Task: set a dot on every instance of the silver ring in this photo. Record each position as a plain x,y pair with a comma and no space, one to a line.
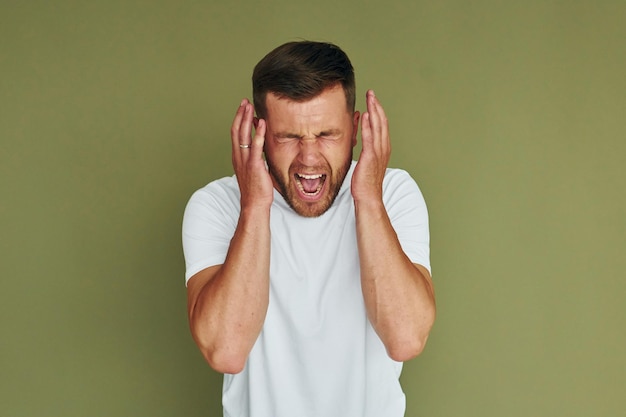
244,146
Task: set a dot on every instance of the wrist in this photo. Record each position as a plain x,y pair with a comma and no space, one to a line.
370,207
255,212
256,205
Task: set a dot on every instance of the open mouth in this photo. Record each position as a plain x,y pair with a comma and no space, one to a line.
310,184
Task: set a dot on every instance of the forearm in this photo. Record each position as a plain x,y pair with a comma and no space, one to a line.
228,310
399,297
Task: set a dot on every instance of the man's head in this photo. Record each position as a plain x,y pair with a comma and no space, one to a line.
305,91
299,71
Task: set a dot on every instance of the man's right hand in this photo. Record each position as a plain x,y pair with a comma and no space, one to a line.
253,178
227,303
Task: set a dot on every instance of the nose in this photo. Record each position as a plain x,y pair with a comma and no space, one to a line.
309,151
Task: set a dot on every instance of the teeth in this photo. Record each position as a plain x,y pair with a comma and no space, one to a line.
310,177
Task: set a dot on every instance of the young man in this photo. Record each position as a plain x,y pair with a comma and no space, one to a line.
308,274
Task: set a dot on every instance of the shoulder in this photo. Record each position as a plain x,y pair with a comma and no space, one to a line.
397,175
221,189
399,182
221,194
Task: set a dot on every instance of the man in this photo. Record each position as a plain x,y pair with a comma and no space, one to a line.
308,273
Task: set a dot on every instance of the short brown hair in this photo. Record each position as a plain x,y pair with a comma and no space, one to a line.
300,71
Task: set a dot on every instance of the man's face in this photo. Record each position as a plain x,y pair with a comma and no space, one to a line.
308,148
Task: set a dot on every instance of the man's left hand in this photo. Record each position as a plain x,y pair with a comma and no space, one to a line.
367,181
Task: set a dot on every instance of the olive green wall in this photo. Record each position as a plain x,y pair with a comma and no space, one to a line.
510,116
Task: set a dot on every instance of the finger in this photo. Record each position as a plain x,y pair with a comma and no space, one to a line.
373,111
246,125
375,120
366,131
245,133
235,131
380,123
258,141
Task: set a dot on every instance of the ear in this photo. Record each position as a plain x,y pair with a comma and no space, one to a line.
355,127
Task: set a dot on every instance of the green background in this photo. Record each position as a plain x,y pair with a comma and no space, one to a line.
510,115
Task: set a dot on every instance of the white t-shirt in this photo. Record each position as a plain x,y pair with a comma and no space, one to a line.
317,354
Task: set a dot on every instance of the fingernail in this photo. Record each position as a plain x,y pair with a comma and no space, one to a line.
243,102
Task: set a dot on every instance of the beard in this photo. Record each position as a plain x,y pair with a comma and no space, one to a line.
286,187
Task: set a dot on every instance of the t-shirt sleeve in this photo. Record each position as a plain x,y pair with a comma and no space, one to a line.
209,224
408,214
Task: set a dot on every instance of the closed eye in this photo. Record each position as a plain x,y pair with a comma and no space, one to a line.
286,137
330,134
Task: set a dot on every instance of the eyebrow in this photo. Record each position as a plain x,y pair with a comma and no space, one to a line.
329,132
287,135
